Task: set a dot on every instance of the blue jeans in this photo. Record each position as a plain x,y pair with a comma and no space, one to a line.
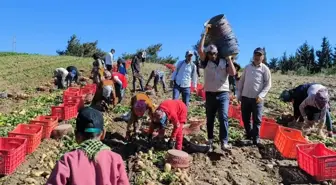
185,91
250,106
218,102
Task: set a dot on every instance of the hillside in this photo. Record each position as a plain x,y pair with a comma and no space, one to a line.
243,165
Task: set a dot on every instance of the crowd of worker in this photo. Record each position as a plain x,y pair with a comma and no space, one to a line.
310,103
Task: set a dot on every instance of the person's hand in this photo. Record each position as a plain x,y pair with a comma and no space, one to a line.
258,100
171,143
206,30
228,58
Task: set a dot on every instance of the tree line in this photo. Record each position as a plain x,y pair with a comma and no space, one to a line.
306,60
76,48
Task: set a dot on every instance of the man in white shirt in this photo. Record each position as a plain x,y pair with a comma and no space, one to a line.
109,59
184,76
254,85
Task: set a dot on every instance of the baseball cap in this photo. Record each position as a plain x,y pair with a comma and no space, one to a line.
189,53
212,49
259,50
322,98
89,120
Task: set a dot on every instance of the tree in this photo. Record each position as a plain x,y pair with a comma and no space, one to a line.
265,57
304,56
325,54
273,63
75,48
334,57
283,63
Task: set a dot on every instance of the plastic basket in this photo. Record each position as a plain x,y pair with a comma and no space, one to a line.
317,160
286,140
64,112
33,134
12,154
92,87
78,100
268,130
48,123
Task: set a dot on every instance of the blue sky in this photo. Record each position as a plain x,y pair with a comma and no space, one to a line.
279,25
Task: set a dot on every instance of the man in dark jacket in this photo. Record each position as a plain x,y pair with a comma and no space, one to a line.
233,79
136,69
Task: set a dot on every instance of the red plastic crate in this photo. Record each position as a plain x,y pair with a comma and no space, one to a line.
71,91
78,100
268,130
64,112
92,87
48,123
264,118
33,134
12,154
286,140
317,160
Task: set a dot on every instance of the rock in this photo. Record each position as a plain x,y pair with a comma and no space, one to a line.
30,180
269,167
61,130
3,95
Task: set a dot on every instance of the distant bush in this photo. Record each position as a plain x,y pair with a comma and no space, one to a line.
302,71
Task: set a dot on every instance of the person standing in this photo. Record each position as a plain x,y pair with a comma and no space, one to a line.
254,84
109,59
98,69
216,86
184,76
136,70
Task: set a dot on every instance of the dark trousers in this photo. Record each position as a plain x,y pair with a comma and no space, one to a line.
118,90
313,113
218,102
158,79
108,67
232,82
250,106
140,78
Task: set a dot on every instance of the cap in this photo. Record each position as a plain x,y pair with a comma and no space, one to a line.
322,98
189,53
89,120
140,108
285,96
211,48
259,50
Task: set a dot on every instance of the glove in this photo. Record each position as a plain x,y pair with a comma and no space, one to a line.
171,144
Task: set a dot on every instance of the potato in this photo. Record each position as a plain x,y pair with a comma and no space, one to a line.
167,167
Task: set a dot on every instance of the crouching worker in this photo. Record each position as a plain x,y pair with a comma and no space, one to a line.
159,76
73,75
316,108
120,84
140,103
60,75
92,162
105,94
174,111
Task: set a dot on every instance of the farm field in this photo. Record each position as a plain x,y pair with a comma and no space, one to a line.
241,166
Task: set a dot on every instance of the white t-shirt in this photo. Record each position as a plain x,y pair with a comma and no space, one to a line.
109,59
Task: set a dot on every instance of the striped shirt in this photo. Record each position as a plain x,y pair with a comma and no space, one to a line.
255,81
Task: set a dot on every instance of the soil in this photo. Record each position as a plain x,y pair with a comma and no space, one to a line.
242,165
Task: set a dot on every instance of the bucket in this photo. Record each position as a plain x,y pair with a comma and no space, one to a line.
220,33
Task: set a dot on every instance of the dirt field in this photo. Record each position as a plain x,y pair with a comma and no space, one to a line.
241,166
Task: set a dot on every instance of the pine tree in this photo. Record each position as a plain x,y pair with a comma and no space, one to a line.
304,56
325,54
273,64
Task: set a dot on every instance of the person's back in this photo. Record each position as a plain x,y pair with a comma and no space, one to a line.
104,170
92,162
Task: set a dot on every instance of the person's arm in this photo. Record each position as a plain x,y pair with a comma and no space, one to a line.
303,105
201,52
194,77
176,124
231,68
241,84
116,79
323,115
266,84
60,174
123,179
178,65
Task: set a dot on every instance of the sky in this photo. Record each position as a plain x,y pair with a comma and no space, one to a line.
44,26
